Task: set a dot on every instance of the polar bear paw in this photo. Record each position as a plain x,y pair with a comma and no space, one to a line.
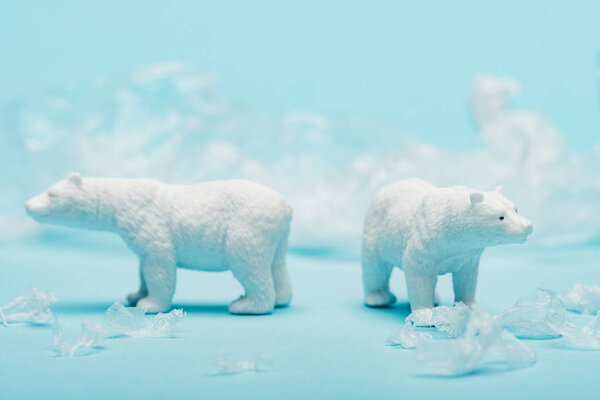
380,298
247,305
152,306
134,297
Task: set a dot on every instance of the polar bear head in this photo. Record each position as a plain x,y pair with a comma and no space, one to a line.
67,202
492,219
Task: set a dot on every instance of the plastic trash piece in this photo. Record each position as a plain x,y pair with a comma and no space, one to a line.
227,366
452,320
407,337
131,321
583,298
483,341
585,337
34,307
542,315
537,315
90,336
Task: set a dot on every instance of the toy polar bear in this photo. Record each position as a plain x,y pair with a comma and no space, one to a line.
429,231
232,225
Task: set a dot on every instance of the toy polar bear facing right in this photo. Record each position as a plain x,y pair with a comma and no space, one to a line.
429,231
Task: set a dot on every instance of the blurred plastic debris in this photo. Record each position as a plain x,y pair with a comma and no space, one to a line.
542,315
407,337
227,366
34,307
586,337
90,336
131,321
481,338
583,298
483,341
537,315
452,320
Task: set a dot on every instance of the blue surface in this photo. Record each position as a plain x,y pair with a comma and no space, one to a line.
327,345
380,77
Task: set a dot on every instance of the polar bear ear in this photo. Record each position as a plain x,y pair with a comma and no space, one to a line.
75,178
499,189
476,197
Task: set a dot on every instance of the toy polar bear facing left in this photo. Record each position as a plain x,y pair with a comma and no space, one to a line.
232,225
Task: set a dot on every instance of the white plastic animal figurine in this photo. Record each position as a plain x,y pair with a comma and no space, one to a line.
232,225
429,231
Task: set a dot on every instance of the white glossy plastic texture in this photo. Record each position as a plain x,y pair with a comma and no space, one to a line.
132,321
91,336
34,307
583,298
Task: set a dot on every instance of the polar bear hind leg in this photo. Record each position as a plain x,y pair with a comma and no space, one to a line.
281,279
250,262
142,292
376,280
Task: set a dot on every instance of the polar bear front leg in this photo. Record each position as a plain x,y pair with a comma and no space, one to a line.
159,274
464,282
421,289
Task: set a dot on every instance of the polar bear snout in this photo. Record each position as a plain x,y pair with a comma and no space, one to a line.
38,206
521,229
528,228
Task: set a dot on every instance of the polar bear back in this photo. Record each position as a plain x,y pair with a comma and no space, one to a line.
390,218
199,220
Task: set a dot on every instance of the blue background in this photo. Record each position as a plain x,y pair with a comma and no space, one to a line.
401,65
407,63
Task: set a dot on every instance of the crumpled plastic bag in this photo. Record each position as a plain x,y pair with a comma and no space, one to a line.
484,340
34,307
407,337
450,319
228,366
542,315
90,336
131,321
585,337
537,315
583,298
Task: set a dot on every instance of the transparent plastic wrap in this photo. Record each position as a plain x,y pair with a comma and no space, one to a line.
34,307
586,337
484,341
583,298
228,366
132,321
407,337
90,336
452,320
537,315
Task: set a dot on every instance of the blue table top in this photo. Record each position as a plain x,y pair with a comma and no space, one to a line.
327,345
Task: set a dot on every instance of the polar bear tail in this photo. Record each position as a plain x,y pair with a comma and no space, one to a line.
281,279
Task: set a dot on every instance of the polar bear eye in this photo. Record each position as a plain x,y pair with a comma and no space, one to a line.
51,194
501,218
